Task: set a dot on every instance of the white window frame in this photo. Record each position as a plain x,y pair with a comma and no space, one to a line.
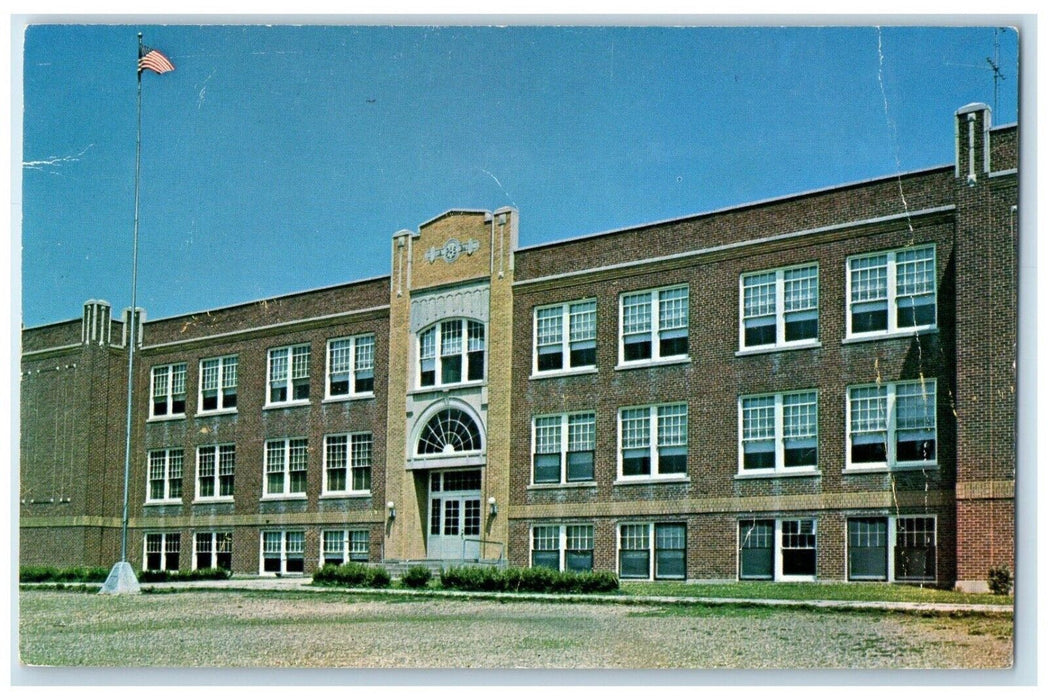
655,329
562,542
892,535
892,296
352,455
778,436
213,552
168,475
777,548
165,539
355,343
565,422
167,374
226,379
567,312
292,373
929,387
220,468
463,353
780,312
650,528
653,445
285,538
347,550
286,493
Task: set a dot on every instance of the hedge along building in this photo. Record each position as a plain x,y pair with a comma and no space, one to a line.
816,387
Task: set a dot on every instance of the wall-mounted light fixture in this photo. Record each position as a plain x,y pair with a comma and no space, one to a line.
392,510
493,508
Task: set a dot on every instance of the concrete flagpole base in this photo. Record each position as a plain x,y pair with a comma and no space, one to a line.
121,579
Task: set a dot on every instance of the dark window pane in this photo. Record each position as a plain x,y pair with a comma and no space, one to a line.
229,398
915,312
171,561
668,347
673,463
669,563
546,560
868,549
583,357
633,563
160,408
301,389
331,559
798,562
476,365
550,360
760,335
578,561
580,466
802,329
636,350
210,401
153,561
635,466
547,468
914,563
920,450
429,378
801,456
339,387
365,384
295,566
224,560
451,369
753,459
271,564
756,563
868,321
870,452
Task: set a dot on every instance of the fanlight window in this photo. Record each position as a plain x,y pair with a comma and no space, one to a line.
450,431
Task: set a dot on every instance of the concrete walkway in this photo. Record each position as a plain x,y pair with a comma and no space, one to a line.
303,584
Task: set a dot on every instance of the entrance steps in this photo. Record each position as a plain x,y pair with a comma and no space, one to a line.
397,567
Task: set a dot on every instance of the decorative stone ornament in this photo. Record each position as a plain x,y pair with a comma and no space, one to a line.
451,250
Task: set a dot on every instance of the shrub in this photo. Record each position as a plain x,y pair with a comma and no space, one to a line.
73,574
417,577
378,577
1000,580
196,575
352,574
530,580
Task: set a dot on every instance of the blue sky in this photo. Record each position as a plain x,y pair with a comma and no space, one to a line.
282,158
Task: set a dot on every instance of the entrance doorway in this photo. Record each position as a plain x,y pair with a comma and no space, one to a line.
454,514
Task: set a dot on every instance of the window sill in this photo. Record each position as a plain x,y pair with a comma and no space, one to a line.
301,497
162,419
349,397
331,495
777,474
217,412
285,404
642,364
564,485
444,388
668,479
884,469
865,338
554,374
166,502
764,350
205,500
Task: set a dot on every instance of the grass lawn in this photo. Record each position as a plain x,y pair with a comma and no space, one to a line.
812,591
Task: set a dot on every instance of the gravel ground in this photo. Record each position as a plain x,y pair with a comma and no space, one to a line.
247,629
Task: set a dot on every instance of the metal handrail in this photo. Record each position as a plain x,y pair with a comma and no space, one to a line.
502,546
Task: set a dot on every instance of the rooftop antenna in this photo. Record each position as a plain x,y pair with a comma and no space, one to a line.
995,66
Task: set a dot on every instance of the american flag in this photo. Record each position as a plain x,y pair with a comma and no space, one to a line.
153,60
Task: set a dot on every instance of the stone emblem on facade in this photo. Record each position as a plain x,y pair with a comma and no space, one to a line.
452,249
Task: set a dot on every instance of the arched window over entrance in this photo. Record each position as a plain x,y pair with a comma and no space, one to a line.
450,431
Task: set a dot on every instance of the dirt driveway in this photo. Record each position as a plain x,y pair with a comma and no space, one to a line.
332,630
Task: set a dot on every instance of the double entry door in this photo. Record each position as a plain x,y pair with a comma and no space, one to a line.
454,514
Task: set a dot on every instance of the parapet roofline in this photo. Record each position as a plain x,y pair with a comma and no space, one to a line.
449,212
737,207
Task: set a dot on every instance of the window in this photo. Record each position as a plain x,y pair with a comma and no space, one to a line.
449,432
451,352
562,547
563,448
566,336
165,475
218,384
653,441
900,548
638,560
289,374
780,550
169,391
283,552
213,550
286,462
215,467
891,292
351,366
347,463
780,307
341,546
778,433
654,325
892,425
162,550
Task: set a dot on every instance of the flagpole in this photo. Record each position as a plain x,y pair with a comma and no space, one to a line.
122,577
